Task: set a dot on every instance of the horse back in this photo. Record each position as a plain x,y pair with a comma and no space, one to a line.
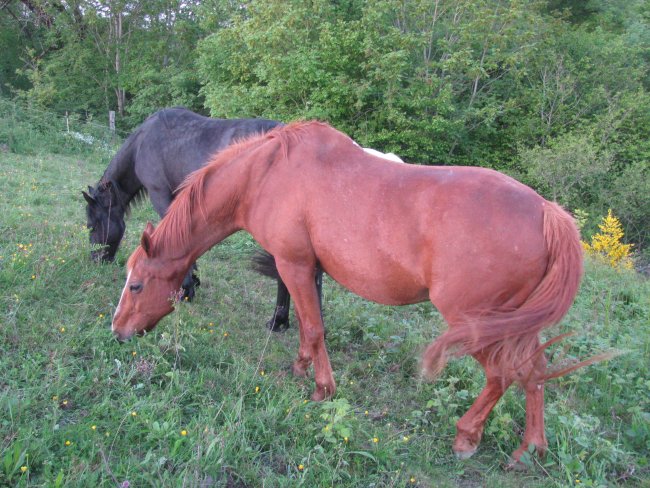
174,142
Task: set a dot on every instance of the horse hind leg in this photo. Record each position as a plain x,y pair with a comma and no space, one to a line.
469,429
533,387
280,320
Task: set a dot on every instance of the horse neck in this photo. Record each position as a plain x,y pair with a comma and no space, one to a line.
214,215
121,170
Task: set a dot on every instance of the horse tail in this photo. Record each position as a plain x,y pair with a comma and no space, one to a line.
509,338
264,264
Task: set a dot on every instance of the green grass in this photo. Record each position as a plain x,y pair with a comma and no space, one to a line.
212,369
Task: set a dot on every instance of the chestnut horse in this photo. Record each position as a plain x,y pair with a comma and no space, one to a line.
497,260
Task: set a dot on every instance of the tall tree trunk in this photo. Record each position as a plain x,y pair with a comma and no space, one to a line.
119,92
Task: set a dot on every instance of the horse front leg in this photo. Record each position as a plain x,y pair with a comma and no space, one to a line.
190,282
300,282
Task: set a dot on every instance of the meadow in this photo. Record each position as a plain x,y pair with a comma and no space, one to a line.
207,399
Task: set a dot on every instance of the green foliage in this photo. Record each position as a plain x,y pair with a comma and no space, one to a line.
554,92
567,169
339,421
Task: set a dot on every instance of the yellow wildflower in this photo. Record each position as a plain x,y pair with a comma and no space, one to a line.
607,243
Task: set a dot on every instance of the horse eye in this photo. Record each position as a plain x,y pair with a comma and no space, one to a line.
135,288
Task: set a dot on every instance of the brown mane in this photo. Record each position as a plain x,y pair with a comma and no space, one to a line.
174,228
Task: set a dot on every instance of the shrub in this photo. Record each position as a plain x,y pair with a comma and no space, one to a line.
607,244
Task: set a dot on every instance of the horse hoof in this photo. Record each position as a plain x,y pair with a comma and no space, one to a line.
275,325
299,371
515,465
322,393
188,294
317,396
466,443
462,455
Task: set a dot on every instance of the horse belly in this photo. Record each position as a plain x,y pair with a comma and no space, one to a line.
390,273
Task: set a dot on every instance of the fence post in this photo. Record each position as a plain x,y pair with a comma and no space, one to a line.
67,122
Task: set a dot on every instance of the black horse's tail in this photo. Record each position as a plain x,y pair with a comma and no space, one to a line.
264,264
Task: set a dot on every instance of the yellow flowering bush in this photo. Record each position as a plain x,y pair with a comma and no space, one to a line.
607,244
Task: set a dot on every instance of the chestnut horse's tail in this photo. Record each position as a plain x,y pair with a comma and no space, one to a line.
509,338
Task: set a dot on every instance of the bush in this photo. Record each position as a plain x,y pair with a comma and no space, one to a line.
607,244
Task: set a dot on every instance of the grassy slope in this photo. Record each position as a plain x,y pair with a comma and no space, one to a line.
212,370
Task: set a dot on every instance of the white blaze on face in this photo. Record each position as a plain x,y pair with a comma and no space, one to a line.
117,310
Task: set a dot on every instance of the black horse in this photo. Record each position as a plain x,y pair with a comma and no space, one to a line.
155,159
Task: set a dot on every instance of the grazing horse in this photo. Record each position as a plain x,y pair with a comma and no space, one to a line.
156,159
497,260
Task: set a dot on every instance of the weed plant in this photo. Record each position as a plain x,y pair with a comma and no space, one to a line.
206,399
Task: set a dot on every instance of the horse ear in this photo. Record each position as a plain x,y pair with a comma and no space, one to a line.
145,240
89,199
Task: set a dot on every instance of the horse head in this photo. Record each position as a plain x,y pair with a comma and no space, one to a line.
152,286
105,219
